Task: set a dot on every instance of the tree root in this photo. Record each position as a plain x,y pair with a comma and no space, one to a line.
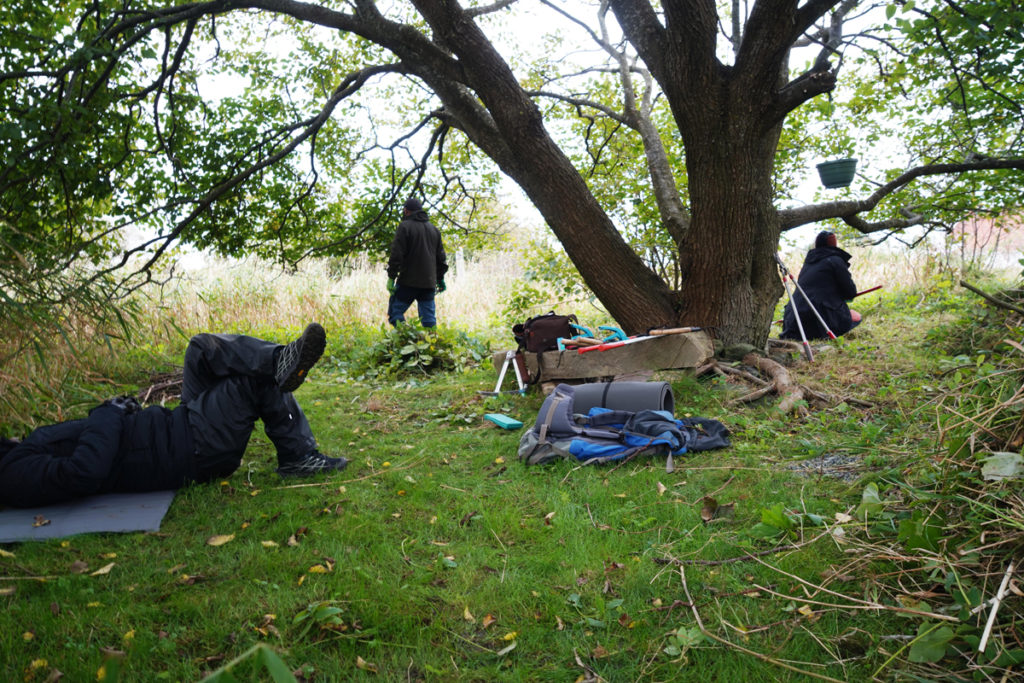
793,396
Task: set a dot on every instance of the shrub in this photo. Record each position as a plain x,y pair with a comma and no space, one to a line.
411,349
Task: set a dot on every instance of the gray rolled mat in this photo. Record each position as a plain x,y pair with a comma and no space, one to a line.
633,396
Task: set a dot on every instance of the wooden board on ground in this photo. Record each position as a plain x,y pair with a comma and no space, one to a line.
669,352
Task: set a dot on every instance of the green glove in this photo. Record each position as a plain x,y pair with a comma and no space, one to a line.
391,285
441,286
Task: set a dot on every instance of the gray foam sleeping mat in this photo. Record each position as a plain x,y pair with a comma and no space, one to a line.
111,512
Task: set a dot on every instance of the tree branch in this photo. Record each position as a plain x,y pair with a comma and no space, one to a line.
847,210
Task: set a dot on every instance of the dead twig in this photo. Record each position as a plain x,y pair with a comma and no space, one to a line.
995,608
856,601
718,639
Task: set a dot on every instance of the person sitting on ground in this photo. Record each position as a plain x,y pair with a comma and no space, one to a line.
230,381
825,279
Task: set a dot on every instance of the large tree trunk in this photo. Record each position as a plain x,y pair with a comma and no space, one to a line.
730,281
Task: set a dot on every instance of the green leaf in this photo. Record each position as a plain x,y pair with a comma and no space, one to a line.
999,466
762,530
870,502
920,532
930,643
277,669
776,516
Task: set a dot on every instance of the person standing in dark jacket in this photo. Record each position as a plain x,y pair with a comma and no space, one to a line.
416,266
825,279
230,381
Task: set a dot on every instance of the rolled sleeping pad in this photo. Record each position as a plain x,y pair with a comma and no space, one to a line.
633,396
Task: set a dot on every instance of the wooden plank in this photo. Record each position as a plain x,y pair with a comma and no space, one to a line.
668,352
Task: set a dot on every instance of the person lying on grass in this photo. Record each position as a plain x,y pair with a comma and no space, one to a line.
230,381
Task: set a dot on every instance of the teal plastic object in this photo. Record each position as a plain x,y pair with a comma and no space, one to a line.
837,173
503,421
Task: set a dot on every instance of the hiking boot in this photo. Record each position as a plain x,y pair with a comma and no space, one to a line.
311,463
295,359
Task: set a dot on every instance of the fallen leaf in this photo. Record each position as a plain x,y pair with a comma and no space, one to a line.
27,636
365,665
488,621
105,569
713,510
176,568
499,460
808,612
511,635
268,544
599,652
220,539
468,616
7,590
292,541
505,650
40,521
4,553
843,518
547,517
318,569
619,495
661,488
78,567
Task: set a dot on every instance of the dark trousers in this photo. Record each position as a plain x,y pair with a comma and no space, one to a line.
402,299
229,384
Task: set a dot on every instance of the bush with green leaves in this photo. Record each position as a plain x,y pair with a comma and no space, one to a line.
409,349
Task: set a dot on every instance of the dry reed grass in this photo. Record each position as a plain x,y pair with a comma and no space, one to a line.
250,295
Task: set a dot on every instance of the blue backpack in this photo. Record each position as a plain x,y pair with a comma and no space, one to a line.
604,435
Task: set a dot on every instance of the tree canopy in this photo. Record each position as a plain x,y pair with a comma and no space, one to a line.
661,143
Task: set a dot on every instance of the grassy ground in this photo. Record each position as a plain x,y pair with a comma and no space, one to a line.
440,551
437,556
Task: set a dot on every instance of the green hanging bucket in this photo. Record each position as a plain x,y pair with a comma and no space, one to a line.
838,172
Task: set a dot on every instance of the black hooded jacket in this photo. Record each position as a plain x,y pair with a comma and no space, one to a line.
417,254
825,278
151,450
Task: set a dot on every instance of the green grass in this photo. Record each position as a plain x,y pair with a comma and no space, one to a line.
436,555
442,551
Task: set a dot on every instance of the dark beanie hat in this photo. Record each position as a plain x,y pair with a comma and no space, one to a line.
825,239
412,205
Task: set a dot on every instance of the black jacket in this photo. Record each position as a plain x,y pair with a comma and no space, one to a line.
151,450
417,254
825,278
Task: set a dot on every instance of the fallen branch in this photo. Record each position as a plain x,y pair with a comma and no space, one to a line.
991,299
